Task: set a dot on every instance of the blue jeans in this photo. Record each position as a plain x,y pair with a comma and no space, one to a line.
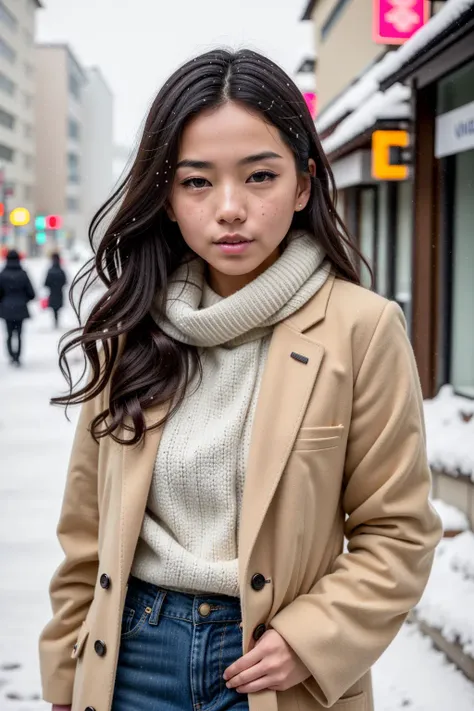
174,651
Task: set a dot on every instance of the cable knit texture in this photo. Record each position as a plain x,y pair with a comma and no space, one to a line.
189,536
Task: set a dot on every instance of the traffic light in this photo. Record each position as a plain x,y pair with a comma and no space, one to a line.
53,222
41,238
40,223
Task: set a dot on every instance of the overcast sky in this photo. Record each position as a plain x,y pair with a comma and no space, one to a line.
138,43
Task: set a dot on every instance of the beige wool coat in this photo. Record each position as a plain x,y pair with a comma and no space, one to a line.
338,449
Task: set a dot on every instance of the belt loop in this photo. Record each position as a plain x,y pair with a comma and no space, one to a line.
155,612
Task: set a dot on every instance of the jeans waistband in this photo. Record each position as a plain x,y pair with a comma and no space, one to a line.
199,608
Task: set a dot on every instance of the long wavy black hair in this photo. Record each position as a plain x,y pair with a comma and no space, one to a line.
141,247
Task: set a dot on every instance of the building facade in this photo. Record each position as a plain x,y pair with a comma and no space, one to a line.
17,116
74,142
97,145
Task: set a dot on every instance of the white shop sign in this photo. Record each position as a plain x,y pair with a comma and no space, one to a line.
455,131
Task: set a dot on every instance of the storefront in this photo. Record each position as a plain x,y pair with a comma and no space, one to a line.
441,74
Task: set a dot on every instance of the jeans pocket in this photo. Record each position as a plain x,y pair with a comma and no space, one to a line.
134,617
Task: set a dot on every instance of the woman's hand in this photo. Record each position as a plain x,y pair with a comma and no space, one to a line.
271,664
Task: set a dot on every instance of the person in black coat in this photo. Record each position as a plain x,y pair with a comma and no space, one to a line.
56,281
15,293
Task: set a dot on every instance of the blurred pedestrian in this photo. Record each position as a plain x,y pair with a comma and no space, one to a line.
250,405
56,280
16,291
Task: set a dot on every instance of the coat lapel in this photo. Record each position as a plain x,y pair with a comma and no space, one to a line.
284,395
137,469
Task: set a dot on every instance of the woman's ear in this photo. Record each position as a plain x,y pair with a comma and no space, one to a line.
170,212
304,186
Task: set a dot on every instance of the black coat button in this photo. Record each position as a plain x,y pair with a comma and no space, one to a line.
259,631
258,581
100,648
90,708
105,581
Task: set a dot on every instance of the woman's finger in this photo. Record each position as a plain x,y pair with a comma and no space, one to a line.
248,675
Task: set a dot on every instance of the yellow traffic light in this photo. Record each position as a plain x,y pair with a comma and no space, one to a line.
20,216
382,142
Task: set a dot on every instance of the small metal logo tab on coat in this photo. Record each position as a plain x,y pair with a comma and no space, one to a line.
300,358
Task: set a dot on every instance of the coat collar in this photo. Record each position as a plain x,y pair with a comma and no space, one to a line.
314,310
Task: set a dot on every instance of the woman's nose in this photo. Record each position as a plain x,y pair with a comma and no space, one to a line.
231,206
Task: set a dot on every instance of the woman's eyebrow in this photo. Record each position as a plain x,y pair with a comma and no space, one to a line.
207,165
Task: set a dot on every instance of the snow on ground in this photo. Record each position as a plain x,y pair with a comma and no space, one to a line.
450,432
448,601
35,441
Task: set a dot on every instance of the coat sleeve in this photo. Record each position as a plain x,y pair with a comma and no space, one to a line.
348,619
72,586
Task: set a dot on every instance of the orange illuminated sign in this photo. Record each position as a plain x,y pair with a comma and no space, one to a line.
382,143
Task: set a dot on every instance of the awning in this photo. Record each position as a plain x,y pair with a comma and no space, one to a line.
390,105
450,18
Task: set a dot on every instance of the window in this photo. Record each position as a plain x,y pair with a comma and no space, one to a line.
6,119
72,204
404,248
6,85
381,268
7,52
74,130
6,153
367,230
73,168
333,17
8,18
29,161
28,130
74,86
462,298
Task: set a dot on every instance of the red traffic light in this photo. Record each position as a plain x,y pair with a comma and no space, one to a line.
53,222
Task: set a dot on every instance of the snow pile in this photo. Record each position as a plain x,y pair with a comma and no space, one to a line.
392,104
448,602
450,432
353,97
450,14
453,519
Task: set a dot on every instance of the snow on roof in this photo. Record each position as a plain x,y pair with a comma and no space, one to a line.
358,92
381,105
447,16
450,432
448,600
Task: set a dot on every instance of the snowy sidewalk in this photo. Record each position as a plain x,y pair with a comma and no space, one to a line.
34,447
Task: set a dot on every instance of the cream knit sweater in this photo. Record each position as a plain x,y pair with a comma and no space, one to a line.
189,536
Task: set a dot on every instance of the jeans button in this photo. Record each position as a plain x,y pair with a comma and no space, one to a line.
205,609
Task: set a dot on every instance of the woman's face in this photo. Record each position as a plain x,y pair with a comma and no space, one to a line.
235,192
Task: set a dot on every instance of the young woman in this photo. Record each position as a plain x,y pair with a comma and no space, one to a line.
249,406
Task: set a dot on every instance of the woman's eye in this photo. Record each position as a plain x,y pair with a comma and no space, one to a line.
263,176
195,183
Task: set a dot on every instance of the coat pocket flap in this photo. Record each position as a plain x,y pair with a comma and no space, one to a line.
352,703
81,640
313,438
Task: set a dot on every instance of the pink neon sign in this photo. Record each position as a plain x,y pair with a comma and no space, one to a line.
395,21
311,102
